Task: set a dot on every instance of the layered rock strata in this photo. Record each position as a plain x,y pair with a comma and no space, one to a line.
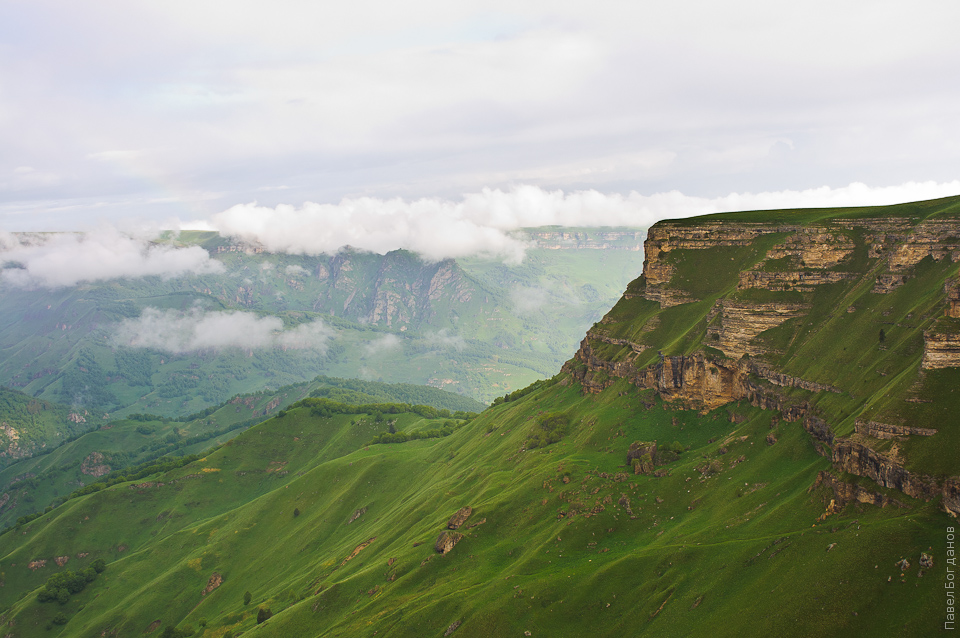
860,460
741,322
796,280
848,492
940,350
888,431
695,379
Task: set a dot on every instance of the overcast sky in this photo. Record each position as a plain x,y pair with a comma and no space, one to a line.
217,110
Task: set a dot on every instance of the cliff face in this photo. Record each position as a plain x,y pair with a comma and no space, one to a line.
784,313
395,289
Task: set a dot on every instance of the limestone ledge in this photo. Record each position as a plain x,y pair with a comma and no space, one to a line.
848,492
860,460
797,280
897,241
952,290
814,247
940,350
888,282
694,380
741,322
888,431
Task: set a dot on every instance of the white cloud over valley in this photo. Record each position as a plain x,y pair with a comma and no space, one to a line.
177,332
480,223
66,259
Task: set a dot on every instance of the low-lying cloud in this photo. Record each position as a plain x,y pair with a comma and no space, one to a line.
444,340
66,259
177,332
481,223
380,345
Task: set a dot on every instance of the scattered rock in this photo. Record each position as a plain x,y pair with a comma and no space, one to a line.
903,565
831,546
61,560
215,581
94,466
155,625
446,541
34,565
359,548
360,512
642,457
926,561
459,518
771,439
452,628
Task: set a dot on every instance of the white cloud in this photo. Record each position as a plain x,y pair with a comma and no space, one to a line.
527,300
295,269
480,223
444,340
174,331
66,259
386,343
433,228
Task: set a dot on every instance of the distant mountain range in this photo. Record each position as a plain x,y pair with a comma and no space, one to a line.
172,346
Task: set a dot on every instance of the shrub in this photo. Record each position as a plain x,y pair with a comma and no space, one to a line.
550,428
263,614
247,597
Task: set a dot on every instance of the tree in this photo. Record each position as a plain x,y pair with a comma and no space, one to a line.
263,614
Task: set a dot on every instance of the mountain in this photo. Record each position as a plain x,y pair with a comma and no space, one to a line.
473,326
758,439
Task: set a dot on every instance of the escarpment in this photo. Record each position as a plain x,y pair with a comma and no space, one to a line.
783,314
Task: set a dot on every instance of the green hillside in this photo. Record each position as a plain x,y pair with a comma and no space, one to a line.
735,450
28,425
75,459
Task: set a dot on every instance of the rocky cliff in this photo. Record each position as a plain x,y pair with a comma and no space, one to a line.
785,312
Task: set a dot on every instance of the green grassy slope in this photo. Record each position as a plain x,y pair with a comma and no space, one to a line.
738,552
733,535
30,485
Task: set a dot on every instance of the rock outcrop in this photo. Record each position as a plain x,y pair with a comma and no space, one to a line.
796,280
642,457
780,279
94,466
740,322
459,518
940,350
887,431
446,541
849,493
860,460
213,582
696,380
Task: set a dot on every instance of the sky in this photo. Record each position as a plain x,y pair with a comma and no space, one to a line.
309,125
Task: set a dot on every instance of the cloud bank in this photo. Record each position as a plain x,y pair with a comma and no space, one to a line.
178,332
58,260
481,223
